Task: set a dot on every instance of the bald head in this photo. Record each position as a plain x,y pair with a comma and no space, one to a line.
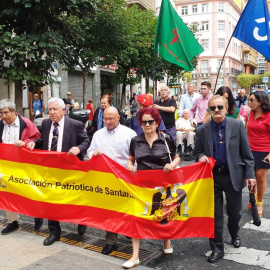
111,117
242,93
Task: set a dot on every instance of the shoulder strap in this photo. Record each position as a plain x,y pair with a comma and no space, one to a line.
168,149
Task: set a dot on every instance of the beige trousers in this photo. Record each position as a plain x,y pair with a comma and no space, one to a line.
180,136
11,216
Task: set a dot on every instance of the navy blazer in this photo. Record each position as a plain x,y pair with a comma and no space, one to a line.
239,156
74,134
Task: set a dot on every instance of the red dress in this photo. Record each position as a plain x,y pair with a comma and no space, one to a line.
90,107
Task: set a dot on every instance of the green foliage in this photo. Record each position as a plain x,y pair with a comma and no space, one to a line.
188,76
245,80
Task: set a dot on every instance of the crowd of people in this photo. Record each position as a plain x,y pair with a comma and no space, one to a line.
209,125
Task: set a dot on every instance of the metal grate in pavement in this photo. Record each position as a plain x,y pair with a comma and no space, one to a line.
91,243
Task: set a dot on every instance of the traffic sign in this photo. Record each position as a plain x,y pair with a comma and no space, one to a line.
234,85
265,79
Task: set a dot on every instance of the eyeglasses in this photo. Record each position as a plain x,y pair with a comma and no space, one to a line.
213,108
251,100
5,113
149,122
109,119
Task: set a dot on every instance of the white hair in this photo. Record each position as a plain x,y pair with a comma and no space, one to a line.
57,100
7,103
186,111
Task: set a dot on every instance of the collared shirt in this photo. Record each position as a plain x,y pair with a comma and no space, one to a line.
187,102
183,123
11,133
202,105
60,135
219,143
167,117
154,158
114,143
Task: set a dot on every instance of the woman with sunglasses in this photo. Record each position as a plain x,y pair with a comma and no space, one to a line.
150,152
233,112
258,129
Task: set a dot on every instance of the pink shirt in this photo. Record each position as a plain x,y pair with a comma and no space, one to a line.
202,105
259,132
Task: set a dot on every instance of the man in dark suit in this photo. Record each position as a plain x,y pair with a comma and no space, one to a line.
61,134
225,140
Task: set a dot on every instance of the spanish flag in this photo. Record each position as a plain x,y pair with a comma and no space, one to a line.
102,194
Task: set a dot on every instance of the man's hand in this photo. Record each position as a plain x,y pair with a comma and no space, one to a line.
31,145
74,151
97,152
251,184
19,143
204,159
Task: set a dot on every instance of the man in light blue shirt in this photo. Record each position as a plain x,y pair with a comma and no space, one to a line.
188,99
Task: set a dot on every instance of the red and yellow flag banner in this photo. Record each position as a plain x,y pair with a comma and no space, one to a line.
102,194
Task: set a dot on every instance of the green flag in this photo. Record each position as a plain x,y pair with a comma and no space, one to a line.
174,42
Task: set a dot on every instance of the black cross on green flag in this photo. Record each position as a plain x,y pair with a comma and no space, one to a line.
174,42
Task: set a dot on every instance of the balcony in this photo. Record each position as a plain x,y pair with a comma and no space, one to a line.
235,71
249,62
144,3
246,49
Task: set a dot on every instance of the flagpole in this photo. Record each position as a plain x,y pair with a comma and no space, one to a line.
222,62
154,75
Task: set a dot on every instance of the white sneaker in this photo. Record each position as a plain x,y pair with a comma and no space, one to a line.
168,250
129,264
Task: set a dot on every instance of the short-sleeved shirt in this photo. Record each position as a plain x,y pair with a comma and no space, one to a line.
37,105
154,158
167,117
259,132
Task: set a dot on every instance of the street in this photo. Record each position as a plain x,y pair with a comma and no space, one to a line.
188,253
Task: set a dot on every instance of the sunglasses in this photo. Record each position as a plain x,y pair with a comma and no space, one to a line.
213,108
251,100
149,122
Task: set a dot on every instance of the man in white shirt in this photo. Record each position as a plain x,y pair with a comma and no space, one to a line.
188,99
113,140
17,130
185,132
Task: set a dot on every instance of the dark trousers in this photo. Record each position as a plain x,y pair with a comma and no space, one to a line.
54,227
222,182
111,238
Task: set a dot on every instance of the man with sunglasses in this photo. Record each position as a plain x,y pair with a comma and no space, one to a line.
225,140
113,140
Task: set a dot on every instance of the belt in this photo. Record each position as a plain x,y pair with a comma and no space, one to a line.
221,169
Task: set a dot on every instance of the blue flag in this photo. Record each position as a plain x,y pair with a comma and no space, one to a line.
253,27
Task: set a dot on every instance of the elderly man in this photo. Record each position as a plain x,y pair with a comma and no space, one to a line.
188,99
144,101
166,107
61,134
200,105
17,130
185,132
225,140
241,100
113,140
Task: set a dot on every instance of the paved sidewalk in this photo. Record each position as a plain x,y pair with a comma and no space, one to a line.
25,251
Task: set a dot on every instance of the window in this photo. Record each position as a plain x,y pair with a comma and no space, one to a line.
204,66
221,25
221,43
221,7
184,10
205,44
219,63
205,8
194,9
205,26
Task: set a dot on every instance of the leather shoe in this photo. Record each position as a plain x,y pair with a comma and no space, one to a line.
108,249
236,242
215,257
11,227
38,223
81,229
51,239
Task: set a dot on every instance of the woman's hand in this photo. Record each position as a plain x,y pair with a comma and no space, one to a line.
168,167
130,165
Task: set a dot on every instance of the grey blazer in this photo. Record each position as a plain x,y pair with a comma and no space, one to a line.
239,156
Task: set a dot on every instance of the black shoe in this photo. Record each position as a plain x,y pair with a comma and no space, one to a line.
179,150
108,249
81,229
50,240
236,242
11,227
215,257
38,223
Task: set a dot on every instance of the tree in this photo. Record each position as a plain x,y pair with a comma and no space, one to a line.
31,37
187,76
244,80
94,37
